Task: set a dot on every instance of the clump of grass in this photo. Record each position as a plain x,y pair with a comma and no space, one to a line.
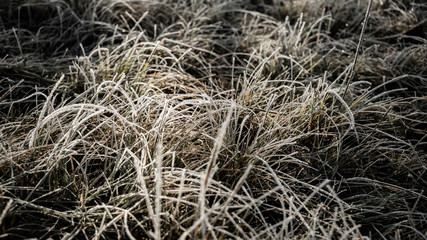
212,119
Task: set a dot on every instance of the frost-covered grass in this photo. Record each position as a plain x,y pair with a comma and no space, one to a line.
213,119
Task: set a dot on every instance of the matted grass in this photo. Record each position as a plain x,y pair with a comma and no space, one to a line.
213,119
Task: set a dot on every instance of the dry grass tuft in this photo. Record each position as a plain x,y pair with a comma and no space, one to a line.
213,119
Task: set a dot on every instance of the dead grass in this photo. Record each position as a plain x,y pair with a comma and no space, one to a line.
213,120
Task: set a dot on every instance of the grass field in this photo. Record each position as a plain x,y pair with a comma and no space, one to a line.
209,119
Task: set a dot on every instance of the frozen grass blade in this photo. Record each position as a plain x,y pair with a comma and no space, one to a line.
356,55
210,167
159,183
